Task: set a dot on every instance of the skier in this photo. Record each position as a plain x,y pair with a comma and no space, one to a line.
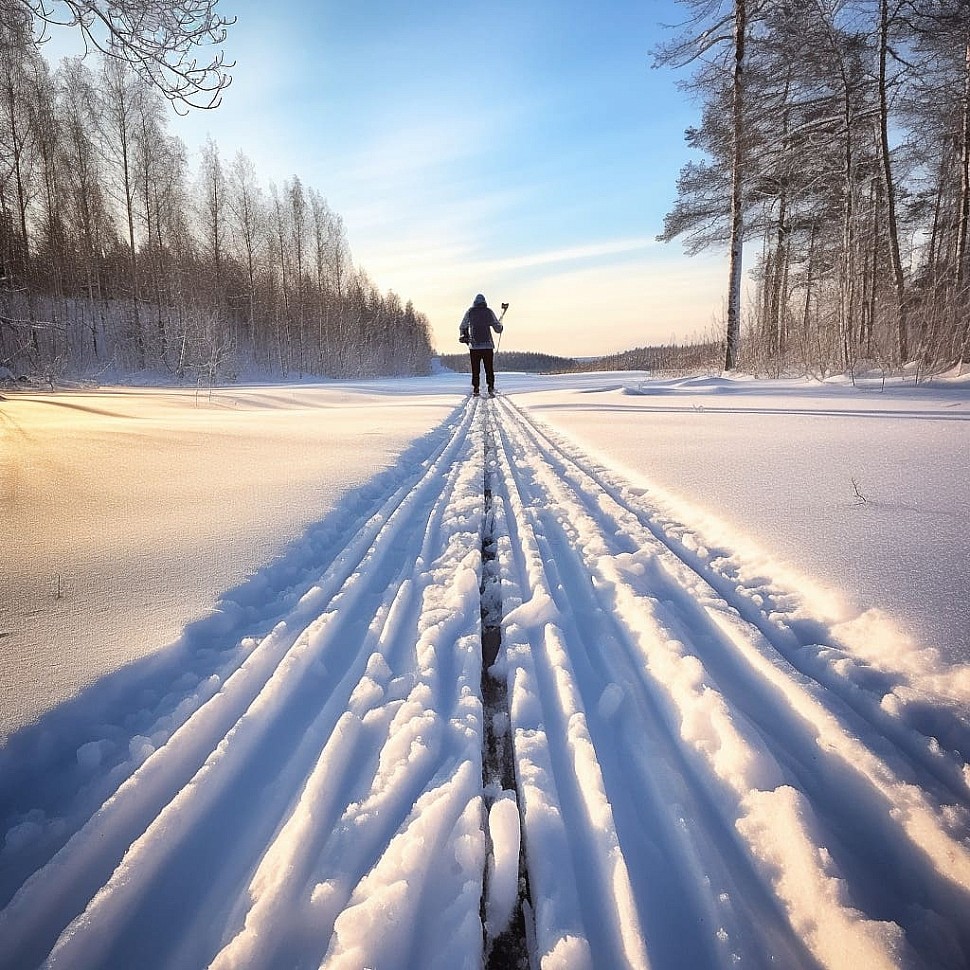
476,330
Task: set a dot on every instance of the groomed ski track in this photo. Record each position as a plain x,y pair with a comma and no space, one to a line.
701,779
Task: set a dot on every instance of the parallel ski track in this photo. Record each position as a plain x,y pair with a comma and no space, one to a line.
692,772
599,547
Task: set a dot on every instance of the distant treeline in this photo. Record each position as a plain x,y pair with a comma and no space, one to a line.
701,357
515,360
704,357
115,255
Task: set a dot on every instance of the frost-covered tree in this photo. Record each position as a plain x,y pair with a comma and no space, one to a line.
937,110
716,37
247,230
20,65
851,153
114,254
162,40
213,214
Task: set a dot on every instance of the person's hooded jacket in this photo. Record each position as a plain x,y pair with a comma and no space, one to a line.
477,325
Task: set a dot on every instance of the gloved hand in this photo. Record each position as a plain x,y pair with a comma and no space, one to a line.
499,327
463,339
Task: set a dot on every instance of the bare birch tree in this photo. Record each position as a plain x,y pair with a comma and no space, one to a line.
718,32
247,208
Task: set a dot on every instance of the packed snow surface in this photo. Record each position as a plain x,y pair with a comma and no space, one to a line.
732,677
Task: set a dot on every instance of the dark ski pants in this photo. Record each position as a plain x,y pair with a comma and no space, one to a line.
486,357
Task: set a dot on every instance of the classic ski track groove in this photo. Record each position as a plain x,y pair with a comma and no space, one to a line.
352,732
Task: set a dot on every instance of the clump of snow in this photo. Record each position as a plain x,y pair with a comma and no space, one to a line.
19,836
569,953
610,701
503,863
140,749
534,613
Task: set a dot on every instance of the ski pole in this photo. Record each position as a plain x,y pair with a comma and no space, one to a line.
505,306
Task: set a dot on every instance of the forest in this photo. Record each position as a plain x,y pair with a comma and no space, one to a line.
116,256
835,141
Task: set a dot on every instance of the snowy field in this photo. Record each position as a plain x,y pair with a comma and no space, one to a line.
130,510
247,723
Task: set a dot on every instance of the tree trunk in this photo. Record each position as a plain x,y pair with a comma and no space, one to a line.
733,336
964,216
902,340
846,279
809,279
869,317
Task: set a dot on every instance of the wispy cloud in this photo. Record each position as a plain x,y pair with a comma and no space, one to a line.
584,310
572,254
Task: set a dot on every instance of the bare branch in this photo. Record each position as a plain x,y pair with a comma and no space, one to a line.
158,38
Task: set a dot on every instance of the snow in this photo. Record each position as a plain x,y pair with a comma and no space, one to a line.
242,684
772,464
503,863
131,511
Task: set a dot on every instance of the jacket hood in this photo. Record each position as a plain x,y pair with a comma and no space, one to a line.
480,300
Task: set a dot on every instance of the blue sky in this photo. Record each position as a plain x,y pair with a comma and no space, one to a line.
526,150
